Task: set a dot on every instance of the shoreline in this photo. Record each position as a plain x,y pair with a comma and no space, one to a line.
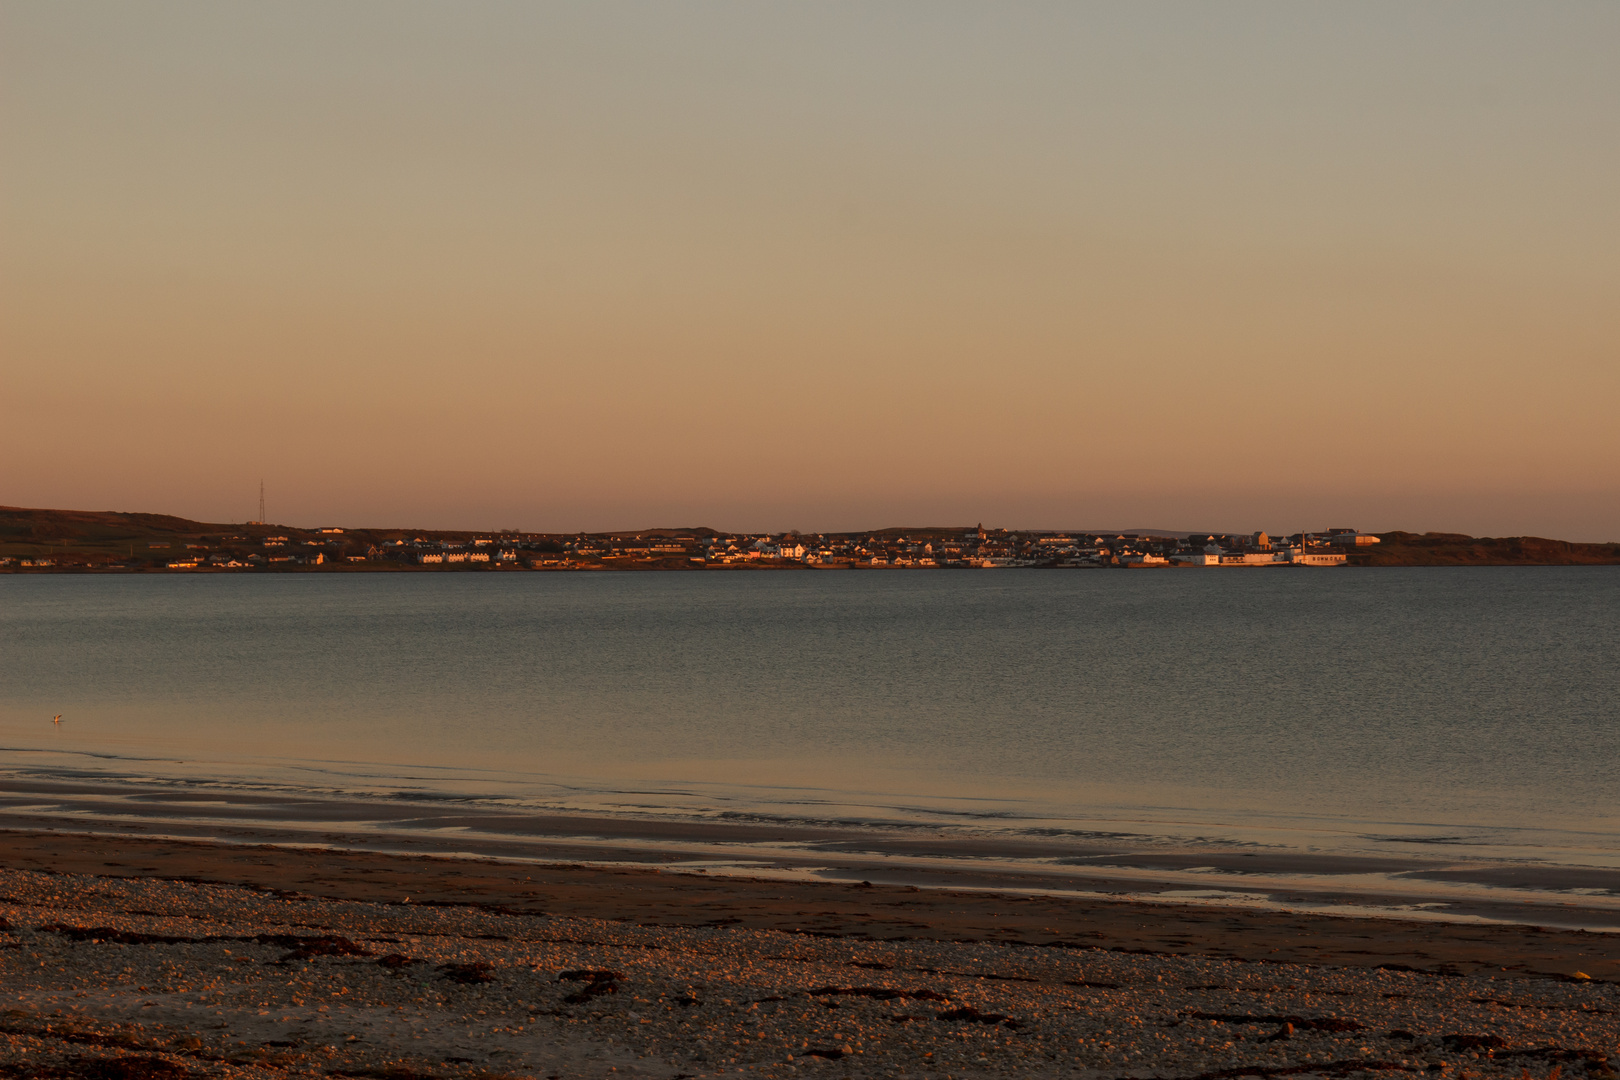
1415,881
1176,863
985,911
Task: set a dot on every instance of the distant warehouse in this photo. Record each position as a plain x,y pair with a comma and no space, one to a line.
1350,537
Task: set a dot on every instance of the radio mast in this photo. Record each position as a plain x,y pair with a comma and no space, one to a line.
261,505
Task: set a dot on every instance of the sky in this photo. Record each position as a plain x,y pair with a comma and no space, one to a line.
770,266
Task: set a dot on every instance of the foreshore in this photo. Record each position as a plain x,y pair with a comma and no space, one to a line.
1289,870
132,954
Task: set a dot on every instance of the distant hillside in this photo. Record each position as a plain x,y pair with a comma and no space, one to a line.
1455,549
98,538
21,525
34,540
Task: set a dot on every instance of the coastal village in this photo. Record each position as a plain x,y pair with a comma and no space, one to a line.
975,548
36,541
194,547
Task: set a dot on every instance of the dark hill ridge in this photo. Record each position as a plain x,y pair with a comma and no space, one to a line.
1455,549
77,539
20,523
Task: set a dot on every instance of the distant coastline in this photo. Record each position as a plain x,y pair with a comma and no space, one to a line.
75,541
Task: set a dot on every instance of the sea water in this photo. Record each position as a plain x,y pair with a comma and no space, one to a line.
1334,710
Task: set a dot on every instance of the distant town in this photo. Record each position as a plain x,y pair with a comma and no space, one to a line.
975,547
33,541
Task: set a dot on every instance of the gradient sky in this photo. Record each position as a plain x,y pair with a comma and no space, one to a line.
824,266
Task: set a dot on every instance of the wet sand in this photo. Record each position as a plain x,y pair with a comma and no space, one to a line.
1422,881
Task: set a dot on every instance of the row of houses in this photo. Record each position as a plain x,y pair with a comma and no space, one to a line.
976,548
504,555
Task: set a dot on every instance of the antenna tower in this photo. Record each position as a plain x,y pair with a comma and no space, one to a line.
261,503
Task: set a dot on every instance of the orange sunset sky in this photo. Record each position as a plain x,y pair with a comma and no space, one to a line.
815,266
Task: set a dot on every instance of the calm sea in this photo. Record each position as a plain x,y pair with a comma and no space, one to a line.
1339,710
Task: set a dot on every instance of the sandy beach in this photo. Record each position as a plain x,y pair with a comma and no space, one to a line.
144,957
